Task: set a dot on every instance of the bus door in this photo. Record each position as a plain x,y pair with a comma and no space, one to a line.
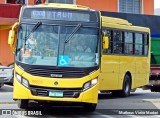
109,72
109,75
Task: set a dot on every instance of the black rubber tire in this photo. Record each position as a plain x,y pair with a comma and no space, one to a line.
126,88
89,107
23,104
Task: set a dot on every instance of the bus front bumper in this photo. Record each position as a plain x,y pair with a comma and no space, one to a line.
42,94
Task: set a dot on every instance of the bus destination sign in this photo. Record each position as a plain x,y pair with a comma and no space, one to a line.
59,14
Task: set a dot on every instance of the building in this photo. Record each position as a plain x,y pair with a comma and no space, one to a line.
9,13
125,6
8,16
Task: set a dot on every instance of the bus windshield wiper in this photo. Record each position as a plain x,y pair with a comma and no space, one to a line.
33,29
73,32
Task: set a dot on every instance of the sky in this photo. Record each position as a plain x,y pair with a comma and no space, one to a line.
156,3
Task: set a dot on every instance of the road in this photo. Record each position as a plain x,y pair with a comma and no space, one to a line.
138,103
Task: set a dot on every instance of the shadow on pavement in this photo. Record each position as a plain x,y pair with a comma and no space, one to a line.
60,110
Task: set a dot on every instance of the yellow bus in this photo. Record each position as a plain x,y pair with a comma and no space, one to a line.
125,64
62,54
57,54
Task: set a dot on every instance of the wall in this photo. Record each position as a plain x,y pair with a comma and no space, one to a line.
2,1
106,5
9,10
148,7
6,55
102,5
9,14
112,5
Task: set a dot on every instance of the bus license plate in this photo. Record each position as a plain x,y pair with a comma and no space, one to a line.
55,94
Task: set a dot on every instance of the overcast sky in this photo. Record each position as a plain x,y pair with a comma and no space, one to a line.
156,3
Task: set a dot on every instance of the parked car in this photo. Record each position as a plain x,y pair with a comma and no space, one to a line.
1,82
6,74
9,79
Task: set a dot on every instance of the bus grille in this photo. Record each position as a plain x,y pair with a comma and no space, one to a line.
67,93
56,73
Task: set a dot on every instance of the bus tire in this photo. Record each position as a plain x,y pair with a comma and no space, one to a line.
23,104
126,86
89,107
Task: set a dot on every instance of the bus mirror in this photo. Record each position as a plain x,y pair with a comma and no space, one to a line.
11,37
105,42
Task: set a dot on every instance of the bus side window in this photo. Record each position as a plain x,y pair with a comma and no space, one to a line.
128,38
138,44
117,42
146,36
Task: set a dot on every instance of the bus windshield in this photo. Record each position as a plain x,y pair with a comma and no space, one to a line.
47,46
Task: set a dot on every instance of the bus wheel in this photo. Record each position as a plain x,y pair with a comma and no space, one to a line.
126,86
22,103
89,107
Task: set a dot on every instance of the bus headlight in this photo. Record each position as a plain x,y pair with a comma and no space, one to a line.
94,81
19,78
86,86
22,80
90,84
25,82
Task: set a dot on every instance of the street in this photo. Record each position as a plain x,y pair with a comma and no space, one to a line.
108,106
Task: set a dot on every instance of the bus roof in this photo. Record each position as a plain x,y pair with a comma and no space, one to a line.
121,24
115,20
58,5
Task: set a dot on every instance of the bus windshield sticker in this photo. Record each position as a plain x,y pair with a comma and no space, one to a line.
63,60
